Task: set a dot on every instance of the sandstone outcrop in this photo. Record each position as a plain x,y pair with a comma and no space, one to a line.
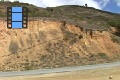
48,43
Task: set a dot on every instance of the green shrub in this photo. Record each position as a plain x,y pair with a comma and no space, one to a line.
66,38
27,67
115,39
102,55
49,9
43,57
13,47
73,40
115,23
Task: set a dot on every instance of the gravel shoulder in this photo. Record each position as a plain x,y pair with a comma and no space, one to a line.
88,72
94,74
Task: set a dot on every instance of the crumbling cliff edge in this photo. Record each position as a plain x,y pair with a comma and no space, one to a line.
51,43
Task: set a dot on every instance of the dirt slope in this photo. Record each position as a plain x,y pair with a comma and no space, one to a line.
49,43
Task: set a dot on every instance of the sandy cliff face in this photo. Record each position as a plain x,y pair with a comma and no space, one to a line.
53,44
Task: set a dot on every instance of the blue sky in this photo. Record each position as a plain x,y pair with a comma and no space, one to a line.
112,7
107,5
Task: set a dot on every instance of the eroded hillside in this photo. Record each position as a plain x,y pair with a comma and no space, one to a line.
50,43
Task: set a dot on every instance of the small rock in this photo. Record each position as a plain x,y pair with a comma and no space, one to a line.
111,77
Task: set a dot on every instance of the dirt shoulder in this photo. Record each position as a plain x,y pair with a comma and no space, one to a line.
95,74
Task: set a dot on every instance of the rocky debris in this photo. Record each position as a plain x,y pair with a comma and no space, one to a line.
50,44
111,77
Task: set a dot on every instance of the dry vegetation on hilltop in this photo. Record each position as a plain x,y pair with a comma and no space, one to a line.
73,13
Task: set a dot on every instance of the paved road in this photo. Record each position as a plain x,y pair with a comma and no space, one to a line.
57,70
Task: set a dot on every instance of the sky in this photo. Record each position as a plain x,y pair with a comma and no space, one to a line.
106,5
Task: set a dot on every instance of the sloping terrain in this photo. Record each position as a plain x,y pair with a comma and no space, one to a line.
47,44
68,36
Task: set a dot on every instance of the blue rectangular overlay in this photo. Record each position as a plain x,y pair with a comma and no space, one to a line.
16,9
16,16
16,24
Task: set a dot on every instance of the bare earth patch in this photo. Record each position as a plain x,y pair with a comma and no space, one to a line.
95,74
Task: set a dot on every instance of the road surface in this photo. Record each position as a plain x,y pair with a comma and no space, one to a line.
57,70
